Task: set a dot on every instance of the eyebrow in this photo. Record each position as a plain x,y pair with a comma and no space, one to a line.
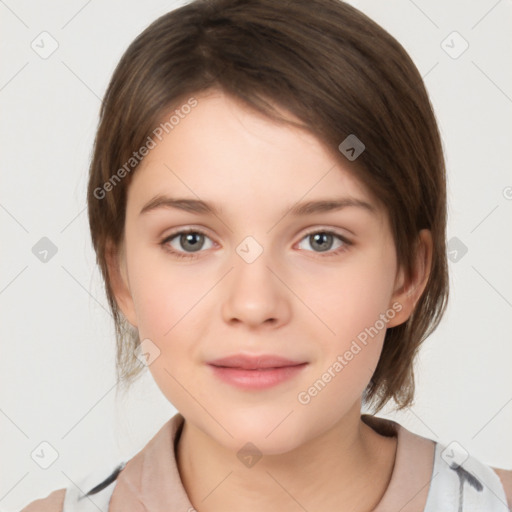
306,208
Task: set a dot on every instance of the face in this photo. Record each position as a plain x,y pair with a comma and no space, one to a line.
256,277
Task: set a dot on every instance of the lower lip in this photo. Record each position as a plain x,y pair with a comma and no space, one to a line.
257,379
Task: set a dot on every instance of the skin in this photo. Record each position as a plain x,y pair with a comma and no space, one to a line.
294,300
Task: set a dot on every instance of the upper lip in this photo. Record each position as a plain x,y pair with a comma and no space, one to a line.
247,362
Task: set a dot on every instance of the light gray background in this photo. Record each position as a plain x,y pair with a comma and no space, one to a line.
57,356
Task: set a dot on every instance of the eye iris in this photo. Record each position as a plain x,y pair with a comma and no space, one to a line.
195,239
320,238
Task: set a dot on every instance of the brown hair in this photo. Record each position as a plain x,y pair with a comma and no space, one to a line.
337,71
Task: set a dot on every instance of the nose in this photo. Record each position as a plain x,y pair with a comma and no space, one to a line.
254,294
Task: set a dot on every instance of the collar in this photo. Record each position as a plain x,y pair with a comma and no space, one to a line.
150,481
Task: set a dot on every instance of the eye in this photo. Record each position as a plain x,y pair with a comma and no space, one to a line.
191,240
323,240
183,244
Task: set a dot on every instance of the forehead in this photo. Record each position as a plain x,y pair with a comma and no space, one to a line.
228,153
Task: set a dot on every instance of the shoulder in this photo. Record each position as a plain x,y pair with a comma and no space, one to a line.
54,502
505,476
458,480
462,482
99,484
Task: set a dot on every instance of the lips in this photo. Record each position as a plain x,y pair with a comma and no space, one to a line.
261,362
256,373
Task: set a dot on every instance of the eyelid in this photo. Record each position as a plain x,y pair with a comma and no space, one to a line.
328,229
187,229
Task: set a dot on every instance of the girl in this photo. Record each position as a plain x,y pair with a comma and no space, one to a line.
267,202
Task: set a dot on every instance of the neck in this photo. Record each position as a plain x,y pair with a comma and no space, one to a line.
350,464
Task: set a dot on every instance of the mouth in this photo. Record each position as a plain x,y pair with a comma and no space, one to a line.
261,362
258,369
260,372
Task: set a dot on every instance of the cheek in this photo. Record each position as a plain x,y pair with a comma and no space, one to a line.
348,356
168,308
350,304
166,296
352,299
170,304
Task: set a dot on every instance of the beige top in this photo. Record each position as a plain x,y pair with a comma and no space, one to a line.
421,481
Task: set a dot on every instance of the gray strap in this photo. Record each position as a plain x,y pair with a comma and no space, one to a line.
93,492
461,483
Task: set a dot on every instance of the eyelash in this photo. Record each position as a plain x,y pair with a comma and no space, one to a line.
347,243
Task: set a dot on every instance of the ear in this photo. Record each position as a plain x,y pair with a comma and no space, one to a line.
407,293
118,276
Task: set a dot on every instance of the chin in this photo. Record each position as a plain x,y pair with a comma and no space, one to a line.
271,434
257,442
